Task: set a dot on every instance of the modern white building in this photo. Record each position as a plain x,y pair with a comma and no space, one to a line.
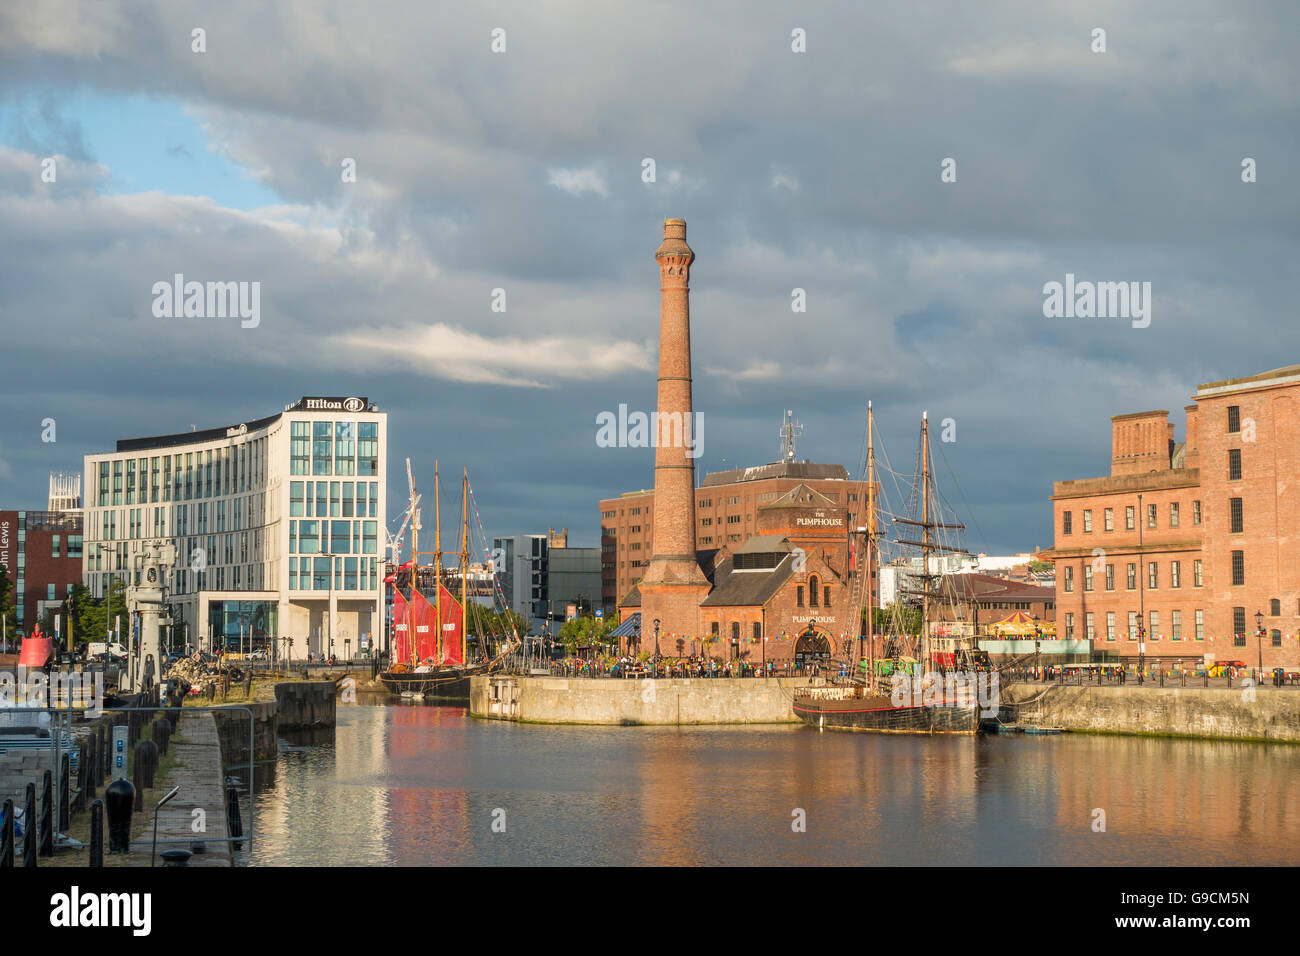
278,524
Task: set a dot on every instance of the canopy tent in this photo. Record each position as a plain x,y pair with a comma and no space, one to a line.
629,628
1021,623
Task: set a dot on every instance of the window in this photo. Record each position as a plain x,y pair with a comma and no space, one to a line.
54,545
1087,521
1196,512
1275,607
1108,518
1234,419
1087,577
1175,574
1132,576
1132,625
1175,625
735,632
1128,518
1238,627
1238,567
74,545
299,448
308,537
1173,514
368,448
1153,575
1196,573
49,592
1110,577
344,442
1110,625
1069,579
798,596
813,593
1200,625
1234,464
1275,638
1155,626
1067,522
1151,516
758,632
322,449
826,596
1069,626
1235,515
1087,626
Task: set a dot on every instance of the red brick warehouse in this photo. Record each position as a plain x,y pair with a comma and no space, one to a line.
1193,545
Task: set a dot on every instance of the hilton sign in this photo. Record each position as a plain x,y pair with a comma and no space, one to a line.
352,404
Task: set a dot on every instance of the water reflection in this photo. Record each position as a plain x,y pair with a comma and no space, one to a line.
422,785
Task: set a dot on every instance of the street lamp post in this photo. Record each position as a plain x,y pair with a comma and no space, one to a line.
1259,645
1142,608
1038,672
656,666
329,605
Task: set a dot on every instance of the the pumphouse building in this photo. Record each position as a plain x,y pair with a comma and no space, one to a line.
777,587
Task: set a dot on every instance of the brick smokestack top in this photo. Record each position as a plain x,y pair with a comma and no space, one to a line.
673,584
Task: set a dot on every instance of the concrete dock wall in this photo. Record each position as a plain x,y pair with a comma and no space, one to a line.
232,731
306,704
1220,713
670,701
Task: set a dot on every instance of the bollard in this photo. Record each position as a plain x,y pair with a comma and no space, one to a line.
47,815
232,816
1205,678
7,836
1162,678
161,734
29,827
119,797
212,692
65,796
97,833
147,753
86,773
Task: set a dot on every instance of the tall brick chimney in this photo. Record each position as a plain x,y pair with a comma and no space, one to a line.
673,585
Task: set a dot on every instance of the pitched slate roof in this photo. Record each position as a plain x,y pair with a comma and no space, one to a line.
748,588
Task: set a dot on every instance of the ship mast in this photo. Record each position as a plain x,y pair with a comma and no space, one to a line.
464,565
871,537
925,537
437,564
415,565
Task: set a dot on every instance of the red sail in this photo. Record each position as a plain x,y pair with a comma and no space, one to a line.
424,622
401,628
453,623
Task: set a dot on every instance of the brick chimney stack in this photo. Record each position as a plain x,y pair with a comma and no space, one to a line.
673,585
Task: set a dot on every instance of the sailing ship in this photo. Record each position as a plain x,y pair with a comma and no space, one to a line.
870,704
431,654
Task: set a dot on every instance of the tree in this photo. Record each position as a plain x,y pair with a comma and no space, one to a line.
1037,566
898,619
585,631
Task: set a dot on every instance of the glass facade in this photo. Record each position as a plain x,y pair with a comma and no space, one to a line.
227,618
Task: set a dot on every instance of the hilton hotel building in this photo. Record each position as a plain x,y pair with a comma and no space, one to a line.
277,525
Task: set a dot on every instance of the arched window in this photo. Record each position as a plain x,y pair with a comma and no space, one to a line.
812,591
1275,608
735,631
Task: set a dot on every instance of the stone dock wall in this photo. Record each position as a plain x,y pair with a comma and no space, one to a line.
306,705
666,701
1221,713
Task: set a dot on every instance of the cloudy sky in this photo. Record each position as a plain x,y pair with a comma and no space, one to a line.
522,170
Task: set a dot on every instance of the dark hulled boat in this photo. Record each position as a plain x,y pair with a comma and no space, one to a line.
868,705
